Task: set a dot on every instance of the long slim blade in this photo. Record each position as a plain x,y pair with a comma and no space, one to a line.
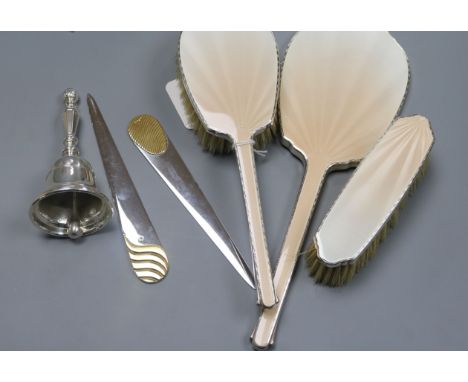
164,158
134,219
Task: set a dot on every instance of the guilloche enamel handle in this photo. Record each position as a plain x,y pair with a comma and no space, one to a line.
262,268
264,332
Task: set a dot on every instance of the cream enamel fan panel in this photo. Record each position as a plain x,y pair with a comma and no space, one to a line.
376,188
351,85
231,78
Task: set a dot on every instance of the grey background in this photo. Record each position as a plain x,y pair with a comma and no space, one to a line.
59,294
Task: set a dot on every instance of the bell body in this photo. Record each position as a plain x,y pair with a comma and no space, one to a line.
71,206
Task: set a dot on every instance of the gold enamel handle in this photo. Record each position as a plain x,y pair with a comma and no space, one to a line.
149,261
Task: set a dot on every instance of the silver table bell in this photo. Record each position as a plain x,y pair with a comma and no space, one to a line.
72,206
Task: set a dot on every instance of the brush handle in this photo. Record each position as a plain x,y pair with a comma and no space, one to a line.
264,332
262,268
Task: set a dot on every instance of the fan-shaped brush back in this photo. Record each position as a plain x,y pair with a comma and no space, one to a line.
231,78
340,91
374,191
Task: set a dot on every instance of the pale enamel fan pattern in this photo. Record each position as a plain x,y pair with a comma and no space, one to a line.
374,191
340,91
231,78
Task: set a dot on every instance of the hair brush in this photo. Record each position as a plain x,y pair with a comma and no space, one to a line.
339,92
211,140
214,143
230,82
370,202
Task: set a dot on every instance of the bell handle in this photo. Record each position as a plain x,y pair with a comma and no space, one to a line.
70,121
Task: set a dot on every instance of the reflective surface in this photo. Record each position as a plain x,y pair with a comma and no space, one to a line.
147,256
146,131
72,206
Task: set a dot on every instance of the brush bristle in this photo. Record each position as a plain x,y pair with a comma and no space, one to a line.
342,274
215,144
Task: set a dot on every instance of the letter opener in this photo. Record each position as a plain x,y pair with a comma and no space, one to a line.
151,139
147,256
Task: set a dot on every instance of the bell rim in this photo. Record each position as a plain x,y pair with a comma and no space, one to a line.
56,231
